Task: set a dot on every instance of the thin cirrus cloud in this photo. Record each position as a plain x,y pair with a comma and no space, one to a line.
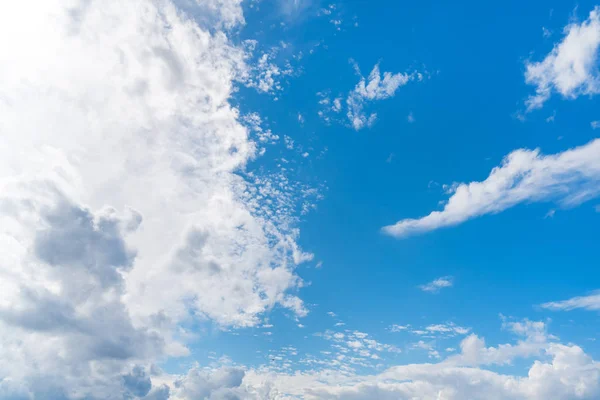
571,68
590,302
438,284
568,178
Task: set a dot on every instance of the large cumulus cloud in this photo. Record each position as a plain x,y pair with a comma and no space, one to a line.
122,211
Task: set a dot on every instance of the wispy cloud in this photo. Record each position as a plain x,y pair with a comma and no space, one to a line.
568,178
377,86
438,284
590,302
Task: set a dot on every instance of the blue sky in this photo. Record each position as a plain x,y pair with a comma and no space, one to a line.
299,199
466,119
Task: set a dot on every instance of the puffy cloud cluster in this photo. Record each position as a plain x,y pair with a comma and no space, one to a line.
123,212
562,372
568,178
571,68
210,384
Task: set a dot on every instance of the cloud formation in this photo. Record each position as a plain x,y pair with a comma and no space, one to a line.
568,178
126,208
590,302
376,87
571,68
437,284
557,371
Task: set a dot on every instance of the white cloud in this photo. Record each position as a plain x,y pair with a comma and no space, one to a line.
337,105
125,205
219,383
571,67
447,329
376,87
589,302
568,178
595,124
557,371
410,118
266,75
437,284
399,328
431,351
289,142
565,373
533,343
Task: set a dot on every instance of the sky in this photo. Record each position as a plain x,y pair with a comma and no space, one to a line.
299,199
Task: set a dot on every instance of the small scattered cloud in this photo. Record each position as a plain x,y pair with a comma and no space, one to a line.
376,87
337,104
399,328
427,346
546,32
410,118
289,142
590,302
438,284
450,329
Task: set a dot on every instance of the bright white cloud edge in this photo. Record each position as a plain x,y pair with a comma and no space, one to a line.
558,371
525,176
590,302
571,68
